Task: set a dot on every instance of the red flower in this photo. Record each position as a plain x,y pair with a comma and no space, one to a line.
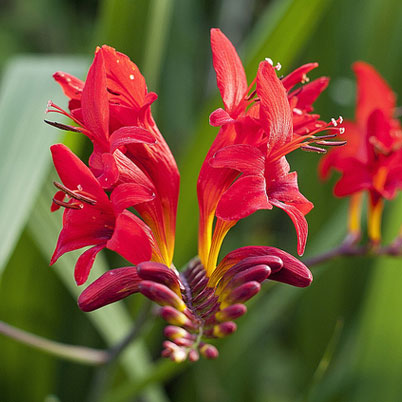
131,166
113,109
91,219
372,159
257,132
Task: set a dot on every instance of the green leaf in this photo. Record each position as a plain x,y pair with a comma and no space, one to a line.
27,86
378,344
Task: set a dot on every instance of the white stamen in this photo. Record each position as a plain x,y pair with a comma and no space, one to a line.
79,187
269,61
340,119
297,111
334,123
341,130
278,66
131,76
117,61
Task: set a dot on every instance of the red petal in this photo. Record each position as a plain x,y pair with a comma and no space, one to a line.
284,193
372,93
245,196
85,262
75,174
311,92
219,117
71,86
110,173
130,135
244,158
112,286
132,239
95,104
356,177
353,147
275,110
129,194
230,75
125,82
297,75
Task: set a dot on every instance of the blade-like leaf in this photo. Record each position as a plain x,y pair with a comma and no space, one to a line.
27,86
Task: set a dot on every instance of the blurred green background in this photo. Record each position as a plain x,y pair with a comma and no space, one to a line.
339,340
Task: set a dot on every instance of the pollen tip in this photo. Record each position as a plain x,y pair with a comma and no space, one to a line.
269,60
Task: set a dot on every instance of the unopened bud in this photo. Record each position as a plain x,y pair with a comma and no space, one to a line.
209,351
175,317
224,329
193,355
241,294
161,294
231,313
159,273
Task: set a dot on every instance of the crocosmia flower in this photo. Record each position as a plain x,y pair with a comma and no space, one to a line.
372,159
132,169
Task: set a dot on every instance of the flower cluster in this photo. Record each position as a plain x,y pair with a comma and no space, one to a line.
132,168
372,159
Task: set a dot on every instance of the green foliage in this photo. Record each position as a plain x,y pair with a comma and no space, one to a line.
288,336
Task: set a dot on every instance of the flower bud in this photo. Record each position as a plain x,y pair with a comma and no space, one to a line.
161,294
241,294
159,273
175,317
231,313
209,351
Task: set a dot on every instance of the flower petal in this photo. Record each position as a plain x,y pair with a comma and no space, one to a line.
245,196
71,86
219,117
112,286
230,75
244,158
85,262
275,110
132,239
94,101
372,93
130,135
298,75
129,194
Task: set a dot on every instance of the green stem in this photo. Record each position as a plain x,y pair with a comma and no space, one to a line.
73,353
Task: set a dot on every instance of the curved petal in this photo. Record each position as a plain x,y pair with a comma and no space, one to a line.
85,262
110,172
298,75
75,174
112,286
71,86
230,75
244,158
94,101
245,196
125,83
310,92
219,117
130,135
275,110
127,195
372,93
132,239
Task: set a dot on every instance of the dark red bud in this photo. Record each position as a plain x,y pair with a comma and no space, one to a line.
231,313
160,273
241,294
161,294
